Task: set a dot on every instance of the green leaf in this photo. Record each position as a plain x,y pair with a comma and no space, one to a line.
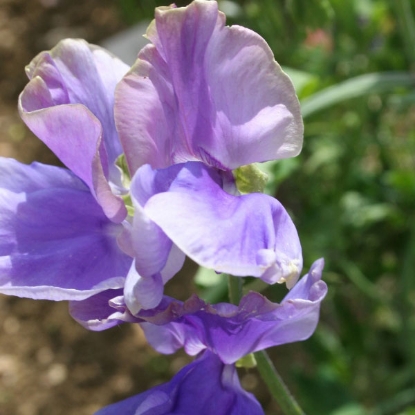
323,383
403,400
301,80
350,409
359,86
310,13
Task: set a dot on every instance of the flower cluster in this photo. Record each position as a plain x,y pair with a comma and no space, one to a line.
202,100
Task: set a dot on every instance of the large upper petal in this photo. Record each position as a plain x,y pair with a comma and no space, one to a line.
206,91
55,241
240,235
68,104
204,387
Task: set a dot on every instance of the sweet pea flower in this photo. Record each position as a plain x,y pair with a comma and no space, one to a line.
229,331
204,387
188,208
208,92
59,227
184,210
69,105
208,98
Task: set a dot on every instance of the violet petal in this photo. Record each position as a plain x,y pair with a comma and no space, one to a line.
204,387
68,104
205,91
55,241
240,235
234,331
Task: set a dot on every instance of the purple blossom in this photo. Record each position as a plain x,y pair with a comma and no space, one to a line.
201,100
204,94
59,228
208,93
204,387
205,91
184,207
227,330
69,104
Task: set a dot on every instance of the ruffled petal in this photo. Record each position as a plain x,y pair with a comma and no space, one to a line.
205,91
55,241
227,330
240,235
204,387
235,331
68,104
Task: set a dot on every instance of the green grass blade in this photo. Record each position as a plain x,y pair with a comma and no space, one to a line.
374,83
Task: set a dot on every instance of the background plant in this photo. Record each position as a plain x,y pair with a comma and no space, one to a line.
351,192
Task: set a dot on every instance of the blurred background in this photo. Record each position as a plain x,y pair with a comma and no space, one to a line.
351,194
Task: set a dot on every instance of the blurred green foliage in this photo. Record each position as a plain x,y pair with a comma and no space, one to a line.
351,192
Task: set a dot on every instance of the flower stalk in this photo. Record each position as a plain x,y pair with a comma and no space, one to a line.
235,289
267,370
276,385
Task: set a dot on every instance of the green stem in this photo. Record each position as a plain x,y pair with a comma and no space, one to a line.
271,377
407,294
276,385
235,289
407,25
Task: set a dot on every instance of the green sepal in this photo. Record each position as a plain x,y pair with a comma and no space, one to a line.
250,179
247,361
121,163
129,204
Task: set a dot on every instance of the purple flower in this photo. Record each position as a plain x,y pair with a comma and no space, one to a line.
227,330
205,91
184,209
204,387
205,94
58,227
212,97
69,104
